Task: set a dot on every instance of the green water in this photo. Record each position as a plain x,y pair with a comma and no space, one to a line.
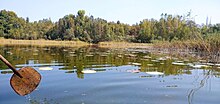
121,76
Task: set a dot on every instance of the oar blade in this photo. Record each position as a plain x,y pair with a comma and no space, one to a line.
28,83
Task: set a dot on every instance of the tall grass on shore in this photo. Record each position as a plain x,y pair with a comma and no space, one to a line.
211,43
42,43
208,47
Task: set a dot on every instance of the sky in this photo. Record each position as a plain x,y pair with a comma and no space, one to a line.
126,11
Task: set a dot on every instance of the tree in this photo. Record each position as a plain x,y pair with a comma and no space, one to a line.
90,29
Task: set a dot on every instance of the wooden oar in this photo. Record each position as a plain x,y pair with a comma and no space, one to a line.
24,80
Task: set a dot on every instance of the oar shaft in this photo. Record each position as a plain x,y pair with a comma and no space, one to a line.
10,66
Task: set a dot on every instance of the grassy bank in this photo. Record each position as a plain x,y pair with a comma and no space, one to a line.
73,43
42,43
124,45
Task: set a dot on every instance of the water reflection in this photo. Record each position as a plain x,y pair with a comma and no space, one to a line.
93,58
120,75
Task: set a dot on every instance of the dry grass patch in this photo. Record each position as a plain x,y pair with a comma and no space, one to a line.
42,42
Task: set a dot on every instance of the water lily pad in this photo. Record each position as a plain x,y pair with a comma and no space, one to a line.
155,60
120,56
172,86
155,73
210,64
104,55
132,55
35,54
89,55
6,72
137,64
178,63
8,52
72,52
149,76
88,71
200,66
100,70
45,68
73,55
150,64
161,59
133,71
147,57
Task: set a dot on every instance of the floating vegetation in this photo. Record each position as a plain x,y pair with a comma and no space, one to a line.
147,57
137,64
8,52
202,61
155,60
100,70
146,76
6,72
211,64
53,54
73,55
88,71
200,66
120,56
46,49
155,73
89,55
186,60
134,71
103,55
144,59
45,68
64,50
132,55
71,52
39,65
35,54
178,63
172,86
162,59
150,64
71,71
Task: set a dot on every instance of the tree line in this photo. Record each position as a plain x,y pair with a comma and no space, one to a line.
94,30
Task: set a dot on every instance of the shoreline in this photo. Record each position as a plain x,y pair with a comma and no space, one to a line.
43,43
184,49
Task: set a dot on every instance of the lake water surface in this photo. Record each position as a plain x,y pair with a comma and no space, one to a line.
92,75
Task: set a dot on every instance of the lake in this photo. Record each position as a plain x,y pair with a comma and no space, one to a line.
92,75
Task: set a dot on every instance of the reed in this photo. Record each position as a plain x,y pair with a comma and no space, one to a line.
193,45
207,48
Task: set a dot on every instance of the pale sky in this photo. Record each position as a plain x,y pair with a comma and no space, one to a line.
126,11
